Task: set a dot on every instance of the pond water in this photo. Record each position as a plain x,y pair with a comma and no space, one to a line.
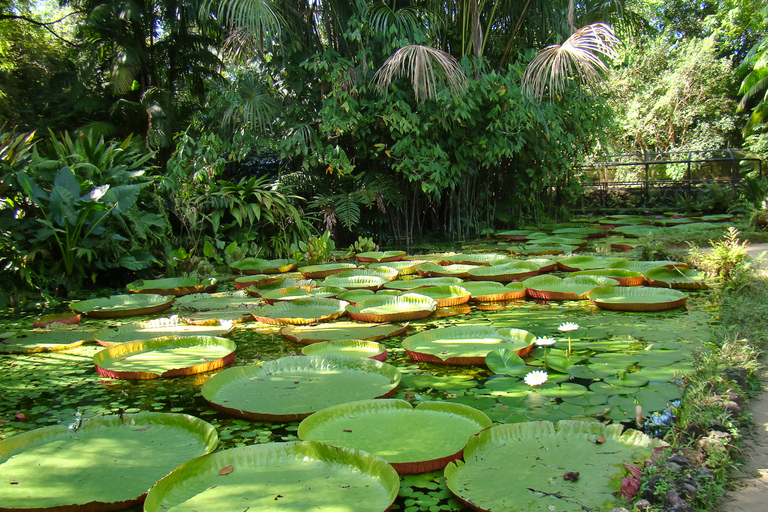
63,387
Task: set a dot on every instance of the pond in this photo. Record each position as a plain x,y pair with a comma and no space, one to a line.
623,359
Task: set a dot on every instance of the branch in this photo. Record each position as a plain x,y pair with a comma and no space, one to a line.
45,24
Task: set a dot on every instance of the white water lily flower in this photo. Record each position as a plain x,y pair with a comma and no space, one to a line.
536,378
568,326
544,342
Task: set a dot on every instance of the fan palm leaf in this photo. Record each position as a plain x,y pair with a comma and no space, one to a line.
428,69
578,56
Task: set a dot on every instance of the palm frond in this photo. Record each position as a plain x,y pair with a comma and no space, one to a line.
428,69
579,56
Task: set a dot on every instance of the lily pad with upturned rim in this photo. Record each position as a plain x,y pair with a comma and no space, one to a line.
445,295
484,259
44,340
177,286
340,331
170,356
61,318
355,348
493,291
257,280
577,263
300,311
623,276
403,267
636,298
323,271
283,294
292,388
465,344
414,440
379,256
430,269
677,278
550,287
143,331
414,284
278,476
121,306
401,308
505,273
387,272
74,468
372,283
520,466
261,266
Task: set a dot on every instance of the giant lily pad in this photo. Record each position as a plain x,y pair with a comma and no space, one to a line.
43,340
54,318
223,300
430,269
414,284
634,231
170,356
292,388
120,306
549,287
520,466
445,295
76,467
403,267
504,273
678,278
260,266
623,276
356,348
636,298
177,286
259,280
300,311
645,266
465,344
379,256
576,263
513,234
401,308
588,232
492,291
385,271
143,331
340,331
323,271
355,282
485,259
278,476
413,440
289,293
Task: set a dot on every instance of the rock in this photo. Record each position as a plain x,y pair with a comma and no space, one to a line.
619,509
642,505
688,491
732,408
673,469
673,502
655,488
680,459
738,375
695,456
705,475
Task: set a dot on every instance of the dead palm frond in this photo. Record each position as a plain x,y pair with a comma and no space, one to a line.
429,70
579,56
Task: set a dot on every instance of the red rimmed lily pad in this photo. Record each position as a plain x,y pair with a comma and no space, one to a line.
403,267
623,276
257,280
356,348
385,271
677,278
414,440
505,273
645,266
289,293
445,295
550,287
339,331
177,286
44,340
323,271
513,234
577,263
492,291
60,318
370,282
414,284
75,467
121,306
300,311
292,388
465,344
379,256
636,298
170,356
260,266
521,466
159,327
401,308
256,478
587,232
485,259
430,269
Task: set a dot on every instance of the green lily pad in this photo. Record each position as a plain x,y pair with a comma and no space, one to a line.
485,259
327,292
379,256
645,266
430,269
403,267
356,348
492,291
588,232
177,286
636,298
513,234
223,300
340,331
323,271
385,271
414,284
76,467
577,263
413,440
634,231
465,344
120,306
263,286
520,466
44,340
56,318
504,273
282,294
608,389
260,266
170,356
292,388
444,382
400,308
355,282
257,280
300,311
677,278
623,276
550,287
507,362
445,295
278,476
151,329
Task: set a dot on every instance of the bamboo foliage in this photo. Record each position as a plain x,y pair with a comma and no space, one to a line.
428,69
